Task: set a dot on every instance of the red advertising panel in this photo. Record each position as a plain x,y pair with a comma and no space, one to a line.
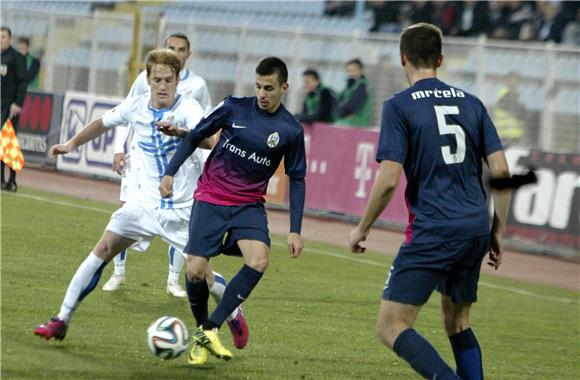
342,170
35,122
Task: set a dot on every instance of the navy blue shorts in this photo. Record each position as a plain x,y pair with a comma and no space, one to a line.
451,267
215,229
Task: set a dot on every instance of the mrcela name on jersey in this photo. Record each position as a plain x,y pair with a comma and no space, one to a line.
243,154
451,93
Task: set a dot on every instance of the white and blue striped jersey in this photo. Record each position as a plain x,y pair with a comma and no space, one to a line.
155,149
190,85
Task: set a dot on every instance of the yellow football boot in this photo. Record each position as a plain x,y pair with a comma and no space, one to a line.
211,341
198,354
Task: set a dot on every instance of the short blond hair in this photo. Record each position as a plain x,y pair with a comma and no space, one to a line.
163,57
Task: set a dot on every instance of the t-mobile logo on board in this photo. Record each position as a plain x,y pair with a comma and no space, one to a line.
363,171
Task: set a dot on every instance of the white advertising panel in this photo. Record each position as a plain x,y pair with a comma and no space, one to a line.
96,156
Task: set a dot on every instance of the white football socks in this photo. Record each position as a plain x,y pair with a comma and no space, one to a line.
176,261
120,261
82,278
217,292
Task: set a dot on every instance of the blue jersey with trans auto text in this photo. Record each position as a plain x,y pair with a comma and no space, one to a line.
440,134
251,146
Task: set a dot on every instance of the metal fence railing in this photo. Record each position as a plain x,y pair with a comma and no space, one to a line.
532,90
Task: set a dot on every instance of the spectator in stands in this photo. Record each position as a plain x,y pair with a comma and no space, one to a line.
32,63
319,101
473,18
527,32
445,16
571,35
421,11
339,8
386,16
13,90
354,103
549,22
508,17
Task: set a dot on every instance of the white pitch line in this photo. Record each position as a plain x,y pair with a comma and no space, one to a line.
317,251
60,203
482,283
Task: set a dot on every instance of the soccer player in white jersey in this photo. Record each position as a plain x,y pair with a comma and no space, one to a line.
128,166
159,120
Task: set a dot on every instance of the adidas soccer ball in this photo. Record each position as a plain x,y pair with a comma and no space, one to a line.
167,337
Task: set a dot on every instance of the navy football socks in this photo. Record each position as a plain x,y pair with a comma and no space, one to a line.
238,289
467,355
198,294
421,355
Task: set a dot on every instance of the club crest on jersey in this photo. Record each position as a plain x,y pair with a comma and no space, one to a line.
273,140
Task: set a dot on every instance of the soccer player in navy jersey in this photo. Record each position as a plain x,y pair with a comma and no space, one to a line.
439,135
228,215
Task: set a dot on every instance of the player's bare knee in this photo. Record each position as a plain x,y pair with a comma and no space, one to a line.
103,251
453,327
380,333
386,333
259,263
455,322
195,273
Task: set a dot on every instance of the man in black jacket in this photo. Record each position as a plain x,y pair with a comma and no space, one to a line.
13,90
319,101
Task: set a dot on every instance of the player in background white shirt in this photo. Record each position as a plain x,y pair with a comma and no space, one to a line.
129,165
159,120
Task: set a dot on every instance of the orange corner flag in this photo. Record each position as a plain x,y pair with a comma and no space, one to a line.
10,152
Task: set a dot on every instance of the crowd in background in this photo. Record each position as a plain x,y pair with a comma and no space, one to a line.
352,106
557,21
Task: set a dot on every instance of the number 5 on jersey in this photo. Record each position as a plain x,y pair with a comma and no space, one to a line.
446,129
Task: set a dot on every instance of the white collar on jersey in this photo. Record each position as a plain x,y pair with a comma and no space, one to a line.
185,73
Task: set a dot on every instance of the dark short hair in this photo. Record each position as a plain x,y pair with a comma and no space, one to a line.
163,57
271,65
311,72
6,29
178,35
24,40
356,61
422,44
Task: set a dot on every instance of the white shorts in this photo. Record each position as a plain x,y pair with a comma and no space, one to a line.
143,223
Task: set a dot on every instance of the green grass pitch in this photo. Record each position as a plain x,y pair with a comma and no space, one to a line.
310,318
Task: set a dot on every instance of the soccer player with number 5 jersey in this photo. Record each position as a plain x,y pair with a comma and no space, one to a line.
439,135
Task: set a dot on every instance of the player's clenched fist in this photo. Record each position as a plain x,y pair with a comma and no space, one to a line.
355,238
165,186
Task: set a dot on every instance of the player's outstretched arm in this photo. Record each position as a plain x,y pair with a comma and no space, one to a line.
381,194
498,169
94,129
184,150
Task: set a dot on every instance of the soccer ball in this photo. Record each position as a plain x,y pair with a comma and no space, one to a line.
167,337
